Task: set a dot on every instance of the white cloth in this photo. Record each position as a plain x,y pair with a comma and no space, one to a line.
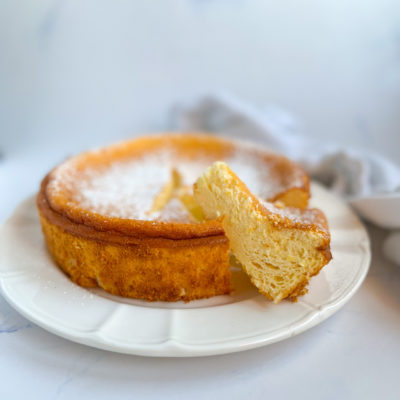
370,183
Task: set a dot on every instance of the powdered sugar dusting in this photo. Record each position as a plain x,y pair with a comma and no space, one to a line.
127,189
123,190
265,182
173,211
256,177
307,216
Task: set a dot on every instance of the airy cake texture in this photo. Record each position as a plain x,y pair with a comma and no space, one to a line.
123,218
279,247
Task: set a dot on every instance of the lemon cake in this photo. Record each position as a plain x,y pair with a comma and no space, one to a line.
123,217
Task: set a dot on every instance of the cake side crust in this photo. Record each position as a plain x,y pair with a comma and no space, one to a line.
140,271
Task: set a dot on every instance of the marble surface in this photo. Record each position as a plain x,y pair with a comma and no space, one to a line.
80,74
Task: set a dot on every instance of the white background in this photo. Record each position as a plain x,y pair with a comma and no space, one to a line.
78,74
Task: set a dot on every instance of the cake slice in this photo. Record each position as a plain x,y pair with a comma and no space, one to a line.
279,247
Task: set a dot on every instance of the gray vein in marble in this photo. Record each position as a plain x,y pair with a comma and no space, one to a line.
79,369
10,320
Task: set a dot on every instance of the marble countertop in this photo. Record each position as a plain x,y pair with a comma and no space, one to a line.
75,75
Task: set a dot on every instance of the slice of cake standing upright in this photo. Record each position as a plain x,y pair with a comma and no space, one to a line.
280,248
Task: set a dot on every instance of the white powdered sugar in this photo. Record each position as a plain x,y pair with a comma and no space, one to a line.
255,176
173,211
263,180
127,189
307,216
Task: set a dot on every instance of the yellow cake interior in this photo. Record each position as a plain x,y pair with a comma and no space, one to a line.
279,247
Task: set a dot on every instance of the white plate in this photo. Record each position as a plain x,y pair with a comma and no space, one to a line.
32,284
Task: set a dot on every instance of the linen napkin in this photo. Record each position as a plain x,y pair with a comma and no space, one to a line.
368,182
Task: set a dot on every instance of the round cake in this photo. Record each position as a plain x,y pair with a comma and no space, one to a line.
123,217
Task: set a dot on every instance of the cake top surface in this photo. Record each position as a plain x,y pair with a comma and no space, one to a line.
124,181
298,216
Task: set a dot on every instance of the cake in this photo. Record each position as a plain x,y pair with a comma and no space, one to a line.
123,218
279,247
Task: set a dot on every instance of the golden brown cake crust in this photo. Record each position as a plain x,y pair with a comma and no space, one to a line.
154,269
150,260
